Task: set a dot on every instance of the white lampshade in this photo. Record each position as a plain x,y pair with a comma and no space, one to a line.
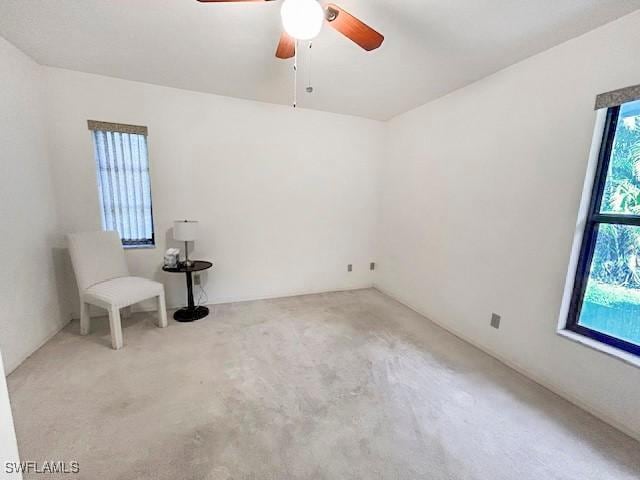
185,230
302,19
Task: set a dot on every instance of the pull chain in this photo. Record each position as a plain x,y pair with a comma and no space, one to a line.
309,88
295,75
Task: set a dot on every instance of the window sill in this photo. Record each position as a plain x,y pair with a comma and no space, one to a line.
137,247
626,357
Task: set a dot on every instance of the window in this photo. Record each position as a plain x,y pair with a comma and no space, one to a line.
605,303
124,186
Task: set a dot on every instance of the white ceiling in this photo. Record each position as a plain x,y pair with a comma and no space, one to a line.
431,47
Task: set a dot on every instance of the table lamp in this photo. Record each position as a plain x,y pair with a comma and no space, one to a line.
185,231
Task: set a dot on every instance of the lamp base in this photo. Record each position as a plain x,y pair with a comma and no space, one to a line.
187,262
190,314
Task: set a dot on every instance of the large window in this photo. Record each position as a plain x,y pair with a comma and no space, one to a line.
605,303
124,185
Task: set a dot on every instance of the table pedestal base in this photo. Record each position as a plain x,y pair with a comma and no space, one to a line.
190,314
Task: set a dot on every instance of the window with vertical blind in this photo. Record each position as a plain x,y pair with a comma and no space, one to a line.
124,186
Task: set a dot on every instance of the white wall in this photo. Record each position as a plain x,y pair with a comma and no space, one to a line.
8,443
284,197
480,197
29,312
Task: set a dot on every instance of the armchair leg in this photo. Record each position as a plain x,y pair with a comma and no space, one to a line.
116,328
85,319
162,311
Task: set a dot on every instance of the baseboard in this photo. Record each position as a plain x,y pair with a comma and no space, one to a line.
519,369
13,365
297,293
251,298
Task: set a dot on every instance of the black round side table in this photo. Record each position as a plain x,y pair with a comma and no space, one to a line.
191,312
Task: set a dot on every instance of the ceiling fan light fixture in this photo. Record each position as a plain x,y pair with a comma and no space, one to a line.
302,19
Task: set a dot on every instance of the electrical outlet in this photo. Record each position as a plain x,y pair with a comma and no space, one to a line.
372,266
196,279
349,268
495,320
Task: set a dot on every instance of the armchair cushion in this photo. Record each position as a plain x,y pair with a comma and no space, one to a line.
122,292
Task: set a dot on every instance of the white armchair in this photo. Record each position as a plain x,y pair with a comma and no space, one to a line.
103,280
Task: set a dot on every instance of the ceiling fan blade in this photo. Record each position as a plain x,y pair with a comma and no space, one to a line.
352,28
286,46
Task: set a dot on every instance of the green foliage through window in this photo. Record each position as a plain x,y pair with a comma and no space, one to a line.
611,302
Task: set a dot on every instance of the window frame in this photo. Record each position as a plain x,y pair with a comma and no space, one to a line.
590,234
148,243
108,127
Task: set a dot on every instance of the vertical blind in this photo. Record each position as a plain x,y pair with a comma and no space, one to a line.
123,180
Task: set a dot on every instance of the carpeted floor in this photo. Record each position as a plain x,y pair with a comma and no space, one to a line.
348,385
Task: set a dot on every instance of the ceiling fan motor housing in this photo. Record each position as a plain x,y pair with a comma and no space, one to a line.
331,14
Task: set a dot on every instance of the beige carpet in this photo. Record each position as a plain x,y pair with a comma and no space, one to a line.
347,385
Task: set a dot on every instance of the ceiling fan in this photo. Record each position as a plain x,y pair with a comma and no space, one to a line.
303,20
